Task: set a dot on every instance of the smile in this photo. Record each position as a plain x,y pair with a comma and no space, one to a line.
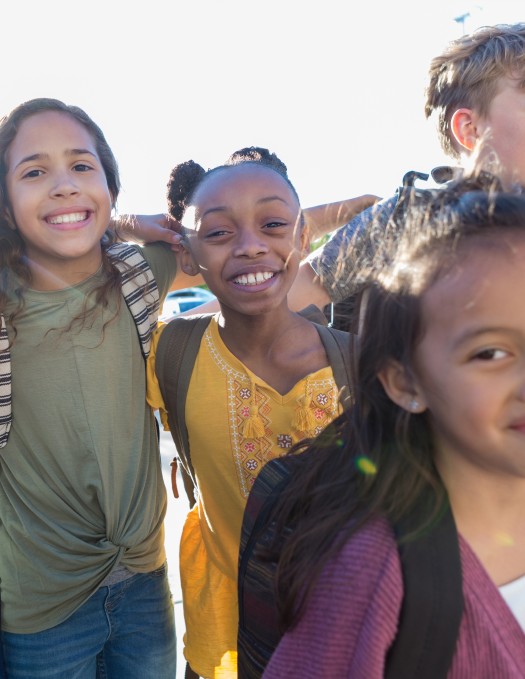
254,278
70,218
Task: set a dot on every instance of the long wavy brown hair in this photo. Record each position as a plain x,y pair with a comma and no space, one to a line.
15,274
377,459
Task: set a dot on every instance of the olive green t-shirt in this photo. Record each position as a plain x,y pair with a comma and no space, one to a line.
81,486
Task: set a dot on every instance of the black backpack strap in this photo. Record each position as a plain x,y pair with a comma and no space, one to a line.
176,354
433,601
337,347
313,313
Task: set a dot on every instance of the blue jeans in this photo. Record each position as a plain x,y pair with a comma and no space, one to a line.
124,631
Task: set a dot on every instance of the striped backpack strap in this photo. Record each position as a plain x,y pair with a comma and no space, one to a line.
5,384
139,289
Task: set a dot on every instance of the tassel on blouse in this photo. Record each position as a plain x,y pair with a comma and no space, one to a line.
304,419
253,425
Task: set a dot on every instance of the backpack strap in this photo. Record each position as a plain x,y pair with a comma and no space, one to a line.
313,313
176,354
338,349
5,384
139,290
433,600
338,346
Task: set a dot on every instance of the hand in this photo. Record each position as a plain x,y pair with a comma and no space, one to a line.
149,229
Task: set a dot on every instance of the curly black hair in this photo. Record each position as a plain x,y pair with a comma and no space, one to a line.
259,155
186,177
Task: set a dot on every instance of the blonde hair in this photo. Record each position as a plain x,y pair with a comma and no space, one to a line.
467,75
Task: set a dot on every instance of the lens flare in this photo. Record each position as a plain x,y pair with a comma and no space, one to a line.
366,466
505,540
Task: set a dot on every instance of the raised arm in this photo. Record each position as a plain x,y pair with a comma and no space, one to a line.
147,229
323,219
324,275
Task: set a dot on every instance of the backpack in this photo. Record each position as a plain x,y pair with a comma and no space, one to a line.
141,295
176,353
433,598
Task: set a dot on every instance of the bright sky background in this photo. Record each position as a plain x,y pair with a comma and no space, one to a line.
334,87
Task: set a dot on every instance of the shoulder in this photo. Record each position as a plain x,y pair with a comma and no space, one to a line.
350,619
371,558
180,337
163,263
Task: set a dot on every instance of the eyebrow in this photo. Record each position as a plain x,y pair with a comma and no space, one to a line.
469,335
223,208
45,156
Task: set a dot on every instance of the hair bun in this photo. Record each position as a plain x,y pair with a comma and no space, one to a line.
182,182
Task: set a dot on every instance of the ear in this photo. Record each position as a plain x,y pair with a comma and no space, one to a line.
401,387
463,126
187,263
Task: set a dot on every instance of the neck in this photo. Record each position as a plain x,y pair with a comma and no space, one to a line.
246,335
280,346
488,511
66,275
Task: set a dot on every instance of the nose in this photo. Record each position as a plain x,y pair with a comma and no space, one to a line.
64,185
249,244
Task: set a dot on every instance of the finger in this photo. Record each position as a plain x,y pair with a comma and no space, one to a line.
173,224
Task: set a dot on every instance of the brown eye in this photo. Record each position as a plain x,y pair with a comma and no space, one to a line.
490,354
217,233
274,225
32,173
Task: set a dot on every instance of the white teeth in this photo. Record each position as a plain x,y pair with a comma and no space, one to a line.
254,278
68,218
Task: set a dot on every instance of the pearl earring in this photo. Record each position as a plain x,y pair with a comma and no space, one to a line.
413,405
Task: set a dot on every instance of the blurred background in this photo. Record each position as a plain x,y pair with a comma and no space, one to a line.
335,88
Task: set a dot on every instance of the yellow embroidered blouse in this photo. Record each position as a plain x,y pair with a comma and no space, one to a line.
236,423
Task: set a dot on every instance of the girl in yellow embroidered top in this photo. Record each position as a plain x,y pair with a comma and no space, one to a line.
261,380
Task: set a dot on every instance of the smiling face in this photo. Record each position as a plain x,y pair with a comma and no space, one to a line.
470,364
244,237
59,198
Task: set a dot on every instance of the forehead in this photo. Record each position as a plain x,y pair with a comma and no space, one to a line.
229,183
513,80
47,131
484,280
